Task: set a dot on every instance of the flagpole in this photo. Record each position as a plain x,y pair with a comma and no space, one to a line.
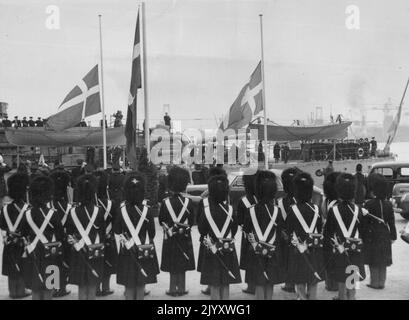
104,133
263,94
145,81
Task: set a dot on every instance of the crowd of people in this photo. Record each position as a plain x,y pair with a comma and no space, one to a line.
107,226
17,123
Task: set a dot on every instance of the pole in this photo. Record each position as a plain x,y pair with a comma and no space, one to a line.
145,81
104,132
263,94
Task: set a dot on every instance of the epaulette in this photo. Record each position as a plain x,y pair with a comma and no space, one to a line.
123,204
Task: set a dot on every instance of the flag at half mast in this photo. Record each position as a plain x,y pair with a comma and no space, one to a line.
248,103
82,101
136,83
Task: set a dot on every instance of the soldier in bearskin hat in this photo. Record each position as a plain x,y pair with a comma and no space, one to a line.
44,236
111,253
243,207
285,203
10,222
304,226
217,225
86,234
343,230
176,218
60,202
263,225
379,231
331,199
213,171
137,262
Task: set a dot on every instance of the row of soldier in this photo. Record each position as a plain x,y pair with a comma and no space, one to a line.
290,240
17,123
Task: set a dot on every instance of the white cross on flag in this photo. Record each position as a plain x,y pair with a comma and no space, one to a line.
248,103
81,102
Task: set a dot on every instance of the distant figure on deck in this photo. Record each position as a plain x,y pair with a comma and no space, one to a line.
83,123
6,122
24,122
339,119
167,120
374,146
260,152
39,122
285,153
277,152
31,122
16,122
118,119
329,169
360,185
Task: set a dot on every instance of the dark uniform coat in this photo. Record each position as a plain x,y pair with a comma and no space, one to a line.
284,205
378,236
173,259
81,273
111,252
242,214
14,247
129,273
37,262
337,263
273,267
63,209
212,271
298,270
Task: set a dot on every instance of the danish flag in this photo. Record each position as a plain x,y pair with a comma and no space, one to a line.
248,103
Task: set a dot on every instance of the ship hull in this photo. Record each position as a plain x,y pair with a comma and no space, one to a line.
73,137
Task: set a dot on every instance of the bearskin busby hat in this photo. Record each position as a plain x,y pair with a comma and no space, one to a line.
134,188
249,182
102,183
329,186
17,185
303,187
378,185
218,188
86,187
345,186
287,178
178,179
217,171
61,181
265,185
41,190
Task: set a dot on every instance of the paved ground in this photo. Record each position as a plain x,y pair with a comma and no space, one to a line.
397,285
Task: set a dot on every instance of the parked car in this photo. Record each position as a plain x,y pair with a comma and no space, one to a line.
199,191
397,176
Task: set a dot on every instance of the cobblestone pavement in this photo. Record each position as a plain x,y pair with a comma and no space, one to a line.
397,285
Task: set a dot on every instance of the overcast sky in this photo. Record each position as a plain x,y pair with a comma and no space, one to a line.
201,52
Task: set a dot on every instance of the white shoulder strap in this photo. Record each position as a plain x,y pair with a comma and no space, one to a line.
172,212
84,233
134,232
300,218
331,204
10,226
218,233
39,232
282,209
260,235
346,233
66,212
